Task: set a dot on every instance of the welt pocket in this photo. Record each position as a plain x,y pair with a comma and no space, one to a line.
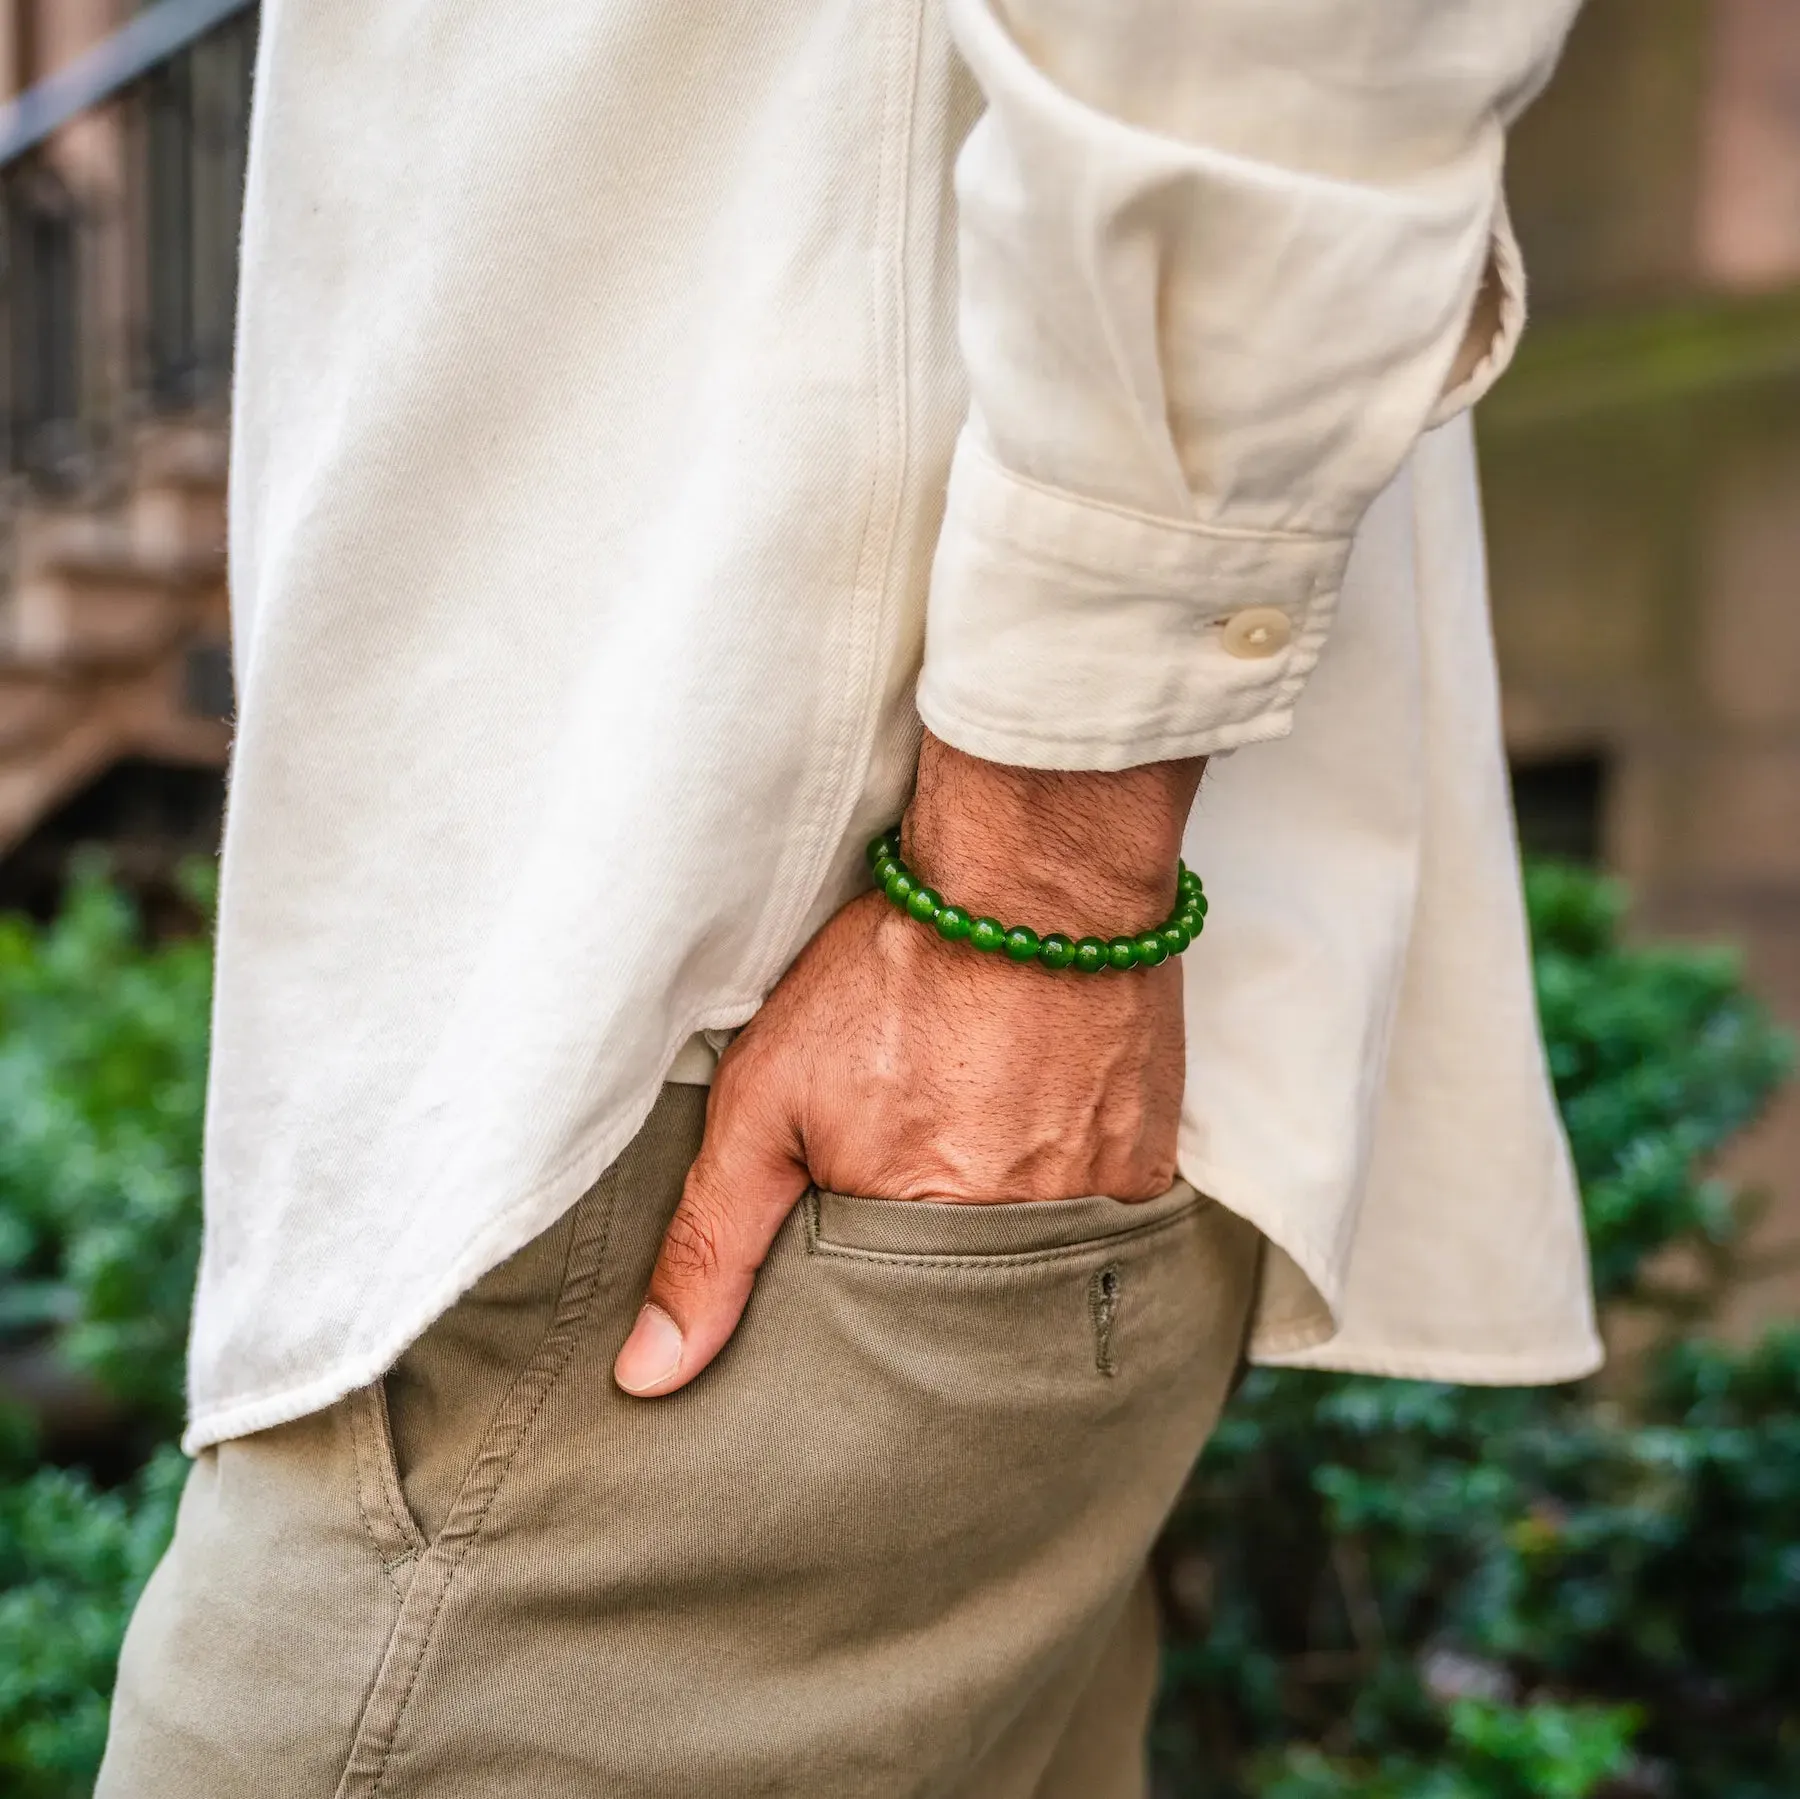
943,1234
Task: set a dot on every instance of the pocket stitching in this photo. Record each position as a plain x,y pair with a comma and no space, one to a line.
384,1712
378,1477
817,1245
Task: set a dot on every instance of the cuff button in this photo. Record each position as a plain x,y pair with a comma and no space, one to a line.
1257,632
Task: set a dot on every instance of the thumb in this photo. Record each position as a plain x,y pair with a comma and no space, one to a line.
739,1191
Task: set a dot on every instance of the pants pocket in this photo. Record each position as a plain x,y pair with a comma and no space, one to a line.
932,1230
1037,1272
963,1427
427,1424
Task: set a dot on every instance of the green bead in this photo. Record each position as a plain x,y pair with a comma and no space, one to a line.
1022,943
925,905
1090,955
987,934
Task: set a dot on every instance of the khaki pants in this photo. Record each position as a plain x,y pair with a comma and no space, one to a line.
892,1543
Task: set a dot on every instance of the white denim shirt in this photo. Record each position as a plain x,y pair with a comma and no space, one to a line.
646,414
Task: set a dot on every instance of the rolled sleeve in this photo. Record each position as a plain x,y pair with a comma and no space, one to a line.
1494,329
1220,266
1070,633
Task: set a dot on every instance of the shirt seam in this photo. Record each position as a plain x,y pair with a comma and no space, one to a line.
875,556
1028,733
1202,529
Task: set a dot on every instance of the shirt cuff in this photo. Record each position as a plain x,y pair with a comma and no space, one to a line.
1062,632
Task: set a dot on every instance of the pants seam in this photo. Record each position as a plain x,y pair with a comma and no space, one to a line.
437,1568
378,1483
387,1567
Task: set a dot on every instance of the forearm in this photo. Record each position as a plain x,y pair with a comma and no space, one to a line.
1073,850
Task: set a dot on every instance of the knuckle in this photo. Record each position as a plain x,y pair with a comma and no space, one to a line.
750,1123
736,1078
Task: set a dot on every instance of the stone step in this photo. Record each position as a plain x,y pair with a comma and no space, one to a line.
33,783
176,502
46,533
192,453
176,525
144,711
171,531
104,612
36,705
112,602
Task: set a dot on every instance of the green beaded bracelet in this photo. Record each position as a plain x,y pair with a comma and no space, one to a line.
1020,943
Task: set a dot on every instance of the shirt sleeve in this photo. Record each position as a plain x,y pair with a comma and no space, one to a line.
1221,263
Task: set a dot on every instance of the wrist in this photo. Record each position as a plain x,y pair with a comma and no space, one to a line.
1076,850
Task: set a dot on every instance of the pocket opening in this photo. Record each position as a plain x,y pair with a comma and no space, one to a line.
945,1232
381,1499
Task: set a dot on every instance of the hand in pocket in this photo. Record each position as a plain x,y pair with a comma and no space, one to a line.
889,1063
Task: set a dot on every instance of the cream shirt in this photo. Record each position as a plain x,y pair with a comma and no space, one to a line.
645,414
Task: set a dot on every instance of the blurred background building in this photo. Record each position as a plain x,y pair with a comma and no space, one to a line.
1642,466
1642,474
121,168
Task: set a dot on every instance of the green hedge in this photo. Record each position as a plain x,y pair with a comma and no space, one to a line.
102,1075
72,1561
1387,1590
1403,1590
102,1080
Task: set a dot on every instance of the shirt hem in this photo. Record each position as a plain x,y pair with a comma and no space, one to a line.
1316,1340
1484,1368
1310,1342
533,1212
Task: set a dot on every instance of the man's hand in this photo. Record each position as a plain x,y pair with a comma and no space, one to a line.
889,1064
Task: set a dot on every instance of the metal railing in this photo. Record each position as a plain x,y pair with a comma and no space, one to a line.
121,181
